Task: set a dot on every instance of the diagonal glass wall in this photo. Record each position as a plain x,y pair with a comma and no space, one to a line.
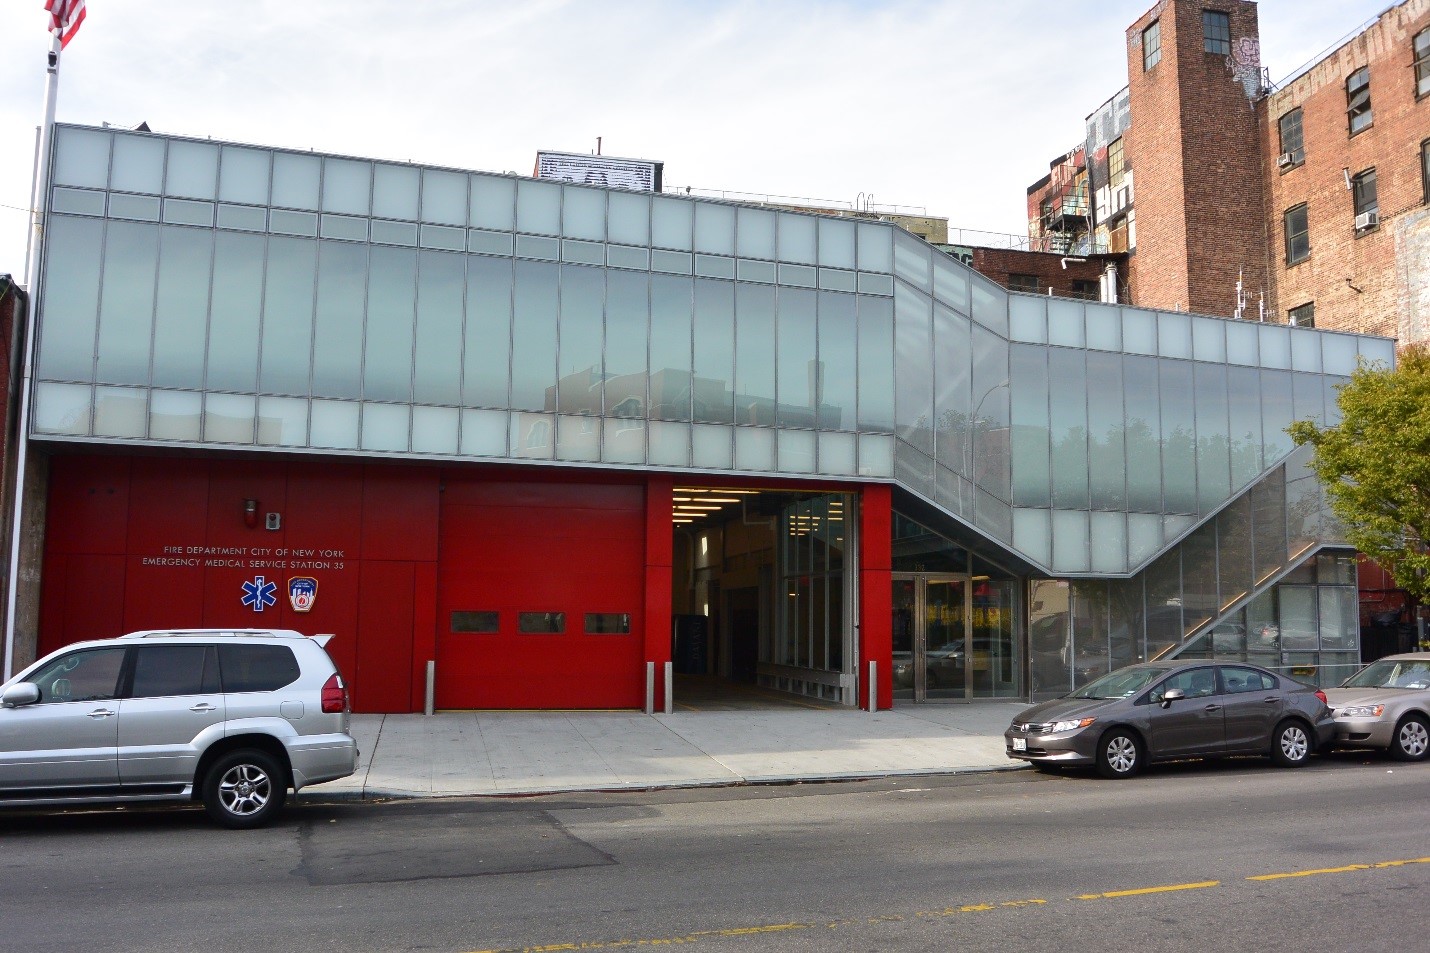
199,293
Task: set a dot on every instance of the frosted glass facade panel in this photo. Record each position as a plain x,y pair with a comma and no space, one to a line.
1067,403
951,283
672,223
138,208
838,367
1144,536
435,430
627,333
533,436
395,191
186,212
583,294
755,449
624,441
913,261
838,454
913,338
1275,341
578,438
1234,546
669,444
990,413
295,180
121,412
484,433
538,207
992,515
78,201
1070,541
243,175
990,305
715,229
181,307
1213,437
799,382
138,164
953,383
448,237
175,415
229,418
1338,353
1106,434
754,355
1027,319
347,186
1377,351
798,238
584,213
1108,538
1243,343
1179,438
1139,331
282,422
288,297
754,233
1033,535
1065,322
242,218
534,337
1032,478
486,355
71,298
796,451
837,243
671,303
1208,339
714,351
876,455
1306,351
1104,327
437,363
338,322
713,447
384,427
444,197
628,217
63,408
1174,335
237,305
492,202
126,303
1308,397
1277,413
192,171
81,158
876,247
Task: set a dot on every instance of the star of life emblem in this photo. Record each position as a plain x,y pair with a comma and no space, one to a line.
258,593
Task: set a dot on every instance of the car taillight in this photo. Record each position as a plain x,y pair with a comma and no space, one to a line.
335,695
1322,696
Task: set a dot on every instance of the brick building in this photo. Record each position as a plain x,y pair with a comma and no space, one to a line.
1300,203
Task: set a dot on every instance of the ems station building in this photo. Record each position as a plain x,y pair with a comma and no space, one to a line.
555,438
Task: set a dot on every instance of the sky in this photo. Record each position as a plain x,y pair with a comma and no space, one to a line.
951,107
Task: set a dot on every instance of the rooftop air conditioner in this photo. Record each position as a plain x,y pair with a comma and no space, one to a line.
1285,159
1367,220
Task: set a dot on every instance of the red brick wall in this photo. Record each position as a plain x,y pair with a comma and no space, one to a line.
1376,282
1047,267
1195,151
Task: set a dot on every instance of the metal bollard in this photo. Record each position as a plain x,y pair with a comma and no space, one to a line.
873,687
430,704
650,688
669,688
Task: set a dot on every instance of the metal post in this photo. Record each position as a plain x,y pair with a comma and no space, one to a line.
431,688
650,688
873,686
669,688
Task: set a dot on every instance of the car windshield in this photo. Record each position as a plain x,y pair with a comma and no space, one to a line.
1390,674
1122,683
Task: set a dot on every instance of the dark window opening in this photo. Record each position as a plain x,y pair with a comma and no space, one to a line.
608,623
1358,110
1028,283
1422,64
1216,31
1293,142
1298,238
1425,169
466,620
1302,316
1152,45
541,623
1367,205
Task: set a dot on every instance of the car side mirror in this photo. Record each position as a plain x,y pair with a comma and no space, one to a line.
1171,695
21,693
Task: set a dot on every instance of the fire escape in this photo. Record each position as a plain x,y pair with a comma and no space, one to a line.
1065,213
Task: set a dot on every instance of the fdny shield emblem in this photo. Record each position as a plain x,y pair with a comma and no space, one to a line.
302,593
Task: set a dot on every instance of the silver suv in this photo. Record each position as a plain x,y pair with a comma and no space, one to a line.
234,717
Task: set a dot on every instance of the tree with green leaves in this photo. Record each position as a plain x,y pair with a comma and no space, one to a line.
1375,465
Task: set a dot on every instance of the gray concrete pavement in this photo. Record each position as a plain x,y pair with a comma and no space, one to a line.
503,752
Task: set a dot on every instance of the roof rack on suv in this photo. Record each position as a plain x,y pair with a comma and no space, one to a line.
214,633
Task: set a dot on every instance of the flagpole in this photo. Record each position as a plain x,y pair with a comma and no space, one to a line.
32,288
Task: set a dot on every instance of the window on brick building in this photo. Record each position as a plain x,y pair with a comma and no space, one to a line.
1422,64
1302,316
1367,204
1216,31
1293,142
1116,162
1028,283
1358,100
1298,237
1152,45
1425,169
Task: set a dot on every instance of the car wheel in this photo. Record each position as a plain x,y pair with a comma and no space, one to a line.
1119,754
1411,741
244,789
1291,745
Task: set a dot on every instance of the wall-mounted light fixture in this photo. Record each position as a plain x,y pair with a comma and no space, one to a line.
250,514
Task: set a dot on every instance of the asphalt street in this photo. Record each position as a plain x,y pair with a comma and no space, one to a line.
1231,856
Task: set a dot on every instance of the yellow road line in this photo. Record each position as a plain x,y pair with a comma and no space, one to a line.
662,941
1348,868
1146,890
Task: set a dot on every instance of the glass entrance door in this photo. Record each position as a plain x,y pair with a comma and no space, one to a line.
931,634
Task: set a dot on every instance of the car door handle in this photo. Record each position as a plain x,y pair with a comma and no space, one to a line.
1270,701
100,713
204,706
1212,708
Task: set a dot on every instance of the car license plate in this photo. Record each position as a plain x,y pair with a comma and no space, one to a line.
1020,744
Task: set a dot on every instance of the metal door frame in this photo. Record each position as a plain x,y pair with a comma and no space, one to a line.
919,636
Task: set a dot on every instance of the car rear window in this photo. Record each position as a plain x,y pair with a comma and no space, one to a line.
256,668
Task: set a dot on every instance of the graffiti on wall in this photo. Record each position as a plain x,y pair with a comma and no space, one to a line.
1244,64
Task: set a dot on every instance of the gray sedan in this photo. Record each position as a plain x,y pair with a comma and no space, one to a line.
1162,711
1386,705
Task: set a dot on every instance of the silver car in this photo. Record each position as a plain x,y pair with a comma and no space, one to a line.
1386,705
1162,711
231,717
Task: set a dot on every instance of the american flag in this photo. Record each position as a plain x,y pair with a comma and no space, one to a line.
65,18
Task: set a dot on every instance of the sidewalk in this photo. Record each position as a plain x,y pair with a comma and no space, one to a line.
454,754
